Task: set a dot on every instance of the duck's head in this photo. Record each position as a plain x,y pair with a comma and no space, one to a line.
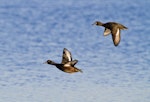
98,23
49,62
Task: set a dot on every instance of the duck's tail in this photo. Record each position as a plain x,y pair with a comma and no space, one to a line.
124,27
80,70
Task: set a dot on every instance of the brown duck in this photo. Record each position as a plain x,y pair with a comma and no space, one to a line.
67,65
113,28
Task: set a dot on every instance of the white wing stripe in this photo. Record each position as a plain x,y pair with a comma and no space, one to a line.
68,55
117,38
117,34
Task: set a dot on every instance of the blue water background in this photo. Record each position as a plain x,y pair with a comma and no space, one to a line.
32,31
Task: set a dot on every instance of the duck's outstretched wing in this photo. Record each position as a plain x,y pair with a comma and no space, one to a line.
66,57
71,63
116,35
107,31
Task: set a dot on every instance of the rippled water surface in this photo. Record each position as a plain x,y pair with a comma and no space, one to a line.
32,31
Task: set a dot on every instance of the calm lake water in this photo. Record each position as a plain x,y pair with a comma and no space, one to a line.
32,31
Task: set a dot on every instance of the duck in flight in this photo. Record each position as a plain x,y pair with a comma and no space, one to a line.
67,64
112,28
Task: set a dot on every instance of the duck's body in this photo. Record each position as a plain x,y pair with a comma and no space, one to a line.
112,28
67,64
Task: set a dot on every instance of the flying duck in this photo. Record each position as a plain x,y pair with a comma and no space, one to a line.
67,64
113,28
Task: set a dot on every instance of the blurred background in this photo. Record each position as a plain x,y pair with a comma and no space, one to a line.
33,31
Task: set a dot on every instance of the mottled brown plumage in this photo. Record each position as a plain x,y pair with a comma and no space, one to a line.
112,28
